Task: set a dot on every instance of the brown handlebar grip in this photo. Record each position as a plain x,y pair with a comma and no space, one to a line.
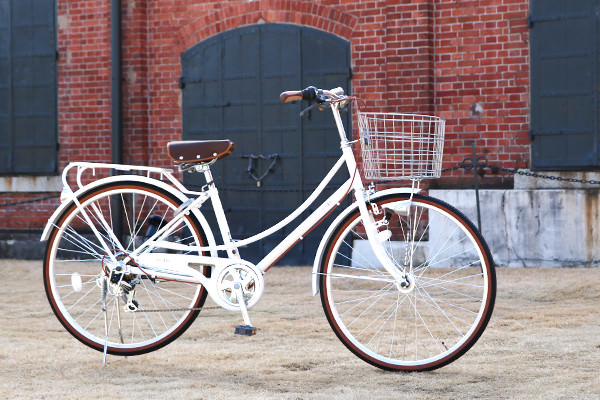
290,95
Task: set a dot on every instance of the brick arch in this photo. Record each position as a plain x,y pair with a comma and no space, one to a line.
296,12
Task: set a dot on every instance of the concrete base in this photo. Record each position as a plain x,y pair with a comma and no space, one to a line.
523,227
533,228
22,245
30,184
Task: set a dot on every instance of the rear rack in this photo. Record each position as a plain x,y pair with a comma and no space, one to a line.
162,174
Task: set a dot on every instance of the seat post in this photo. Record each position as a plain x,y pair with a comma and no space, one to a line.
204,168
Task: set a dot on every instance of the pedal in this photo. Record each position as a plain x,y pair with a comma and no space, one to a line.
245,330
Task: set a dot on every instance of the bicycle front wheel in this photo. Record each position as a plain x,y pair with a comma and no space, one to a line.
442,308
129,314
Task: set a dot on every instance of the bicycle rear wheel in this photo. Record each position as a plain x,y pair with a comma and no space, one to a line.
142,314
443,311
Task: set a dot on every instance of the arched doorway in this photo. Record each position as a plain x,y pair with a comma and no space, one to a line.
231,84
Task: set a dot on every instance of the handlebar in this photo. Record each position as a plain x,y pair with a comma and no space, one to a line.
311,93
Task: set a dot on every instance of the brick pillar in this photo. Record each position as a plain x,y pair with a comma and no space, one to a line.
135,82
408,36
482,81
84,105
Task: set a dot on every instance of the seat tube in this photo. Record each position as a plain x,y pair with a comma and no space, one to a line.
219,212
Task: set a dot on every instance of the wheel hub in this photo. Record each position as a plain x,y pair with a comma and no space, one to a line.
407,285
119,282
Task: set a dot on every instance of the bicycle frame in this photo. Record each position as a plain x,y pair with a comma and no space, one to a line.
230,245
175,266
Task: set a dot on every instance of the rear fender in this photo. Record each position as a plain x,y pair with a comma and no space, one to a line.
137,178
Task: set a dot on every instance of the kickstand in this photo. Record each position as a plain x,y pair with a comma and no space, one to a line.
248,329
103,300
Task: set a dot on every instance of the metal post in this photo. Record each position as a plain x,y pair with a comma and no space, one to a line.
116,107
116,79
476,177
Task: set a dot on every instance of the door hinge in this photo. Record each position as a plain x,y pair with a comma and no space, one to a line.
181,82
531,135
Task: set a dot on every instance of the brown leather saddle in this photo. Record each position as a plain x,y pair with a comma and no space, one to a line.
199,151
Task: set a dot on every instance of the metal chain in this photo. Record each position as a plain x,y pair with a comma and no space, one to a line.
549,177
458,166
450,169
514,171
18,203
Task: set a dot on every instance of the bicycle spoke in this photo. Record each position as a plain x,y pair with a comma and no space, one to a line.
427,321
77,248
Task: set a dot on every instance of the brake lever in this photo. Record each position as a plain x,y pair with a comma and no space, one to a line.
321,106
345,106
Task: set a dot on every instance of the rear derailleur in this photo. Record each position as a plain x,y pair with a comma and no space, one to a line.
121,284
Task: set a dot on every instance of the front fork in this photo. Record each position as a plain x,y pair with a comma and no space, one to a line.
399,273
370,211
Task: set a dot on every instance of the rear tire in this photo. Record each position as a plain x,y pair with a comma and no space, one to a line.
435,319
75,276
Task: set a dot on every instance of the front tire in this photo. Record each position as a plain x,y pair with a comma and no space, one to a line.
441,310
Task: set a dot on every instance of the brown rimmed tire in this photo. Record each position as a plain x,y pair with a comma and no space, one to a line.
79,286
442,308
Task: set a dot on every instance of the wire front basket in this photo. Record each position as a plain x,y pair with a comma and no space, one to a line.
401,146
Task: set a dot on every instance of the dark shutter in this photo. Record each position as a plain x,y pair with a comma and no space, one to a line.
564,84
231,85
28,87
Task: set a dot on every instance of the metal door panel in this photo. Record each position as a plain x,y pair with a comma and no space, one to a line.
564,79
246,69
28,121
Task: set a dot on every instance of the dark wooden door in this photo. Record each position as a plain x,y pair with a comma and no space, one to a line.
28,110
231,85
564,84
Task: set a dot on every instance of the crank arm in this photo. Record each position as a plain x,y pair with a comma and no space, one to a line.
248,329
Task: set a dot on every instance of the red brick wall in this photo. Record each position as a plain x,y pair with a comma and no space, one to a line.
134,35
421,56
482,56
84,80
19,212
412,56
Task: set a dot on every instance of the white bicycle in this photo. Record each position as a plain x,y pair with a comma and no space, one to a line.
406,281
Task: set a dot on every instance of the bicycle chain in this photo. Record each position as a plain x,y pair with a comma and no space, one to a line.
177,309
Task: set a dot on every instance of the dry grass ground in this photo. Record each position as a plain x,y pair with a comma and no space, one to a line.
543,343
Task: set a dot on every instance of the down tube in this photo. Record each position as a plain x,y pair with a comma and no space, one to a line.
306,226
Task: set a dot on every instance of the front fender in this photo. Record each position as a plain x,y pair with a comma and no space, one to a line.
334,225
142,179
